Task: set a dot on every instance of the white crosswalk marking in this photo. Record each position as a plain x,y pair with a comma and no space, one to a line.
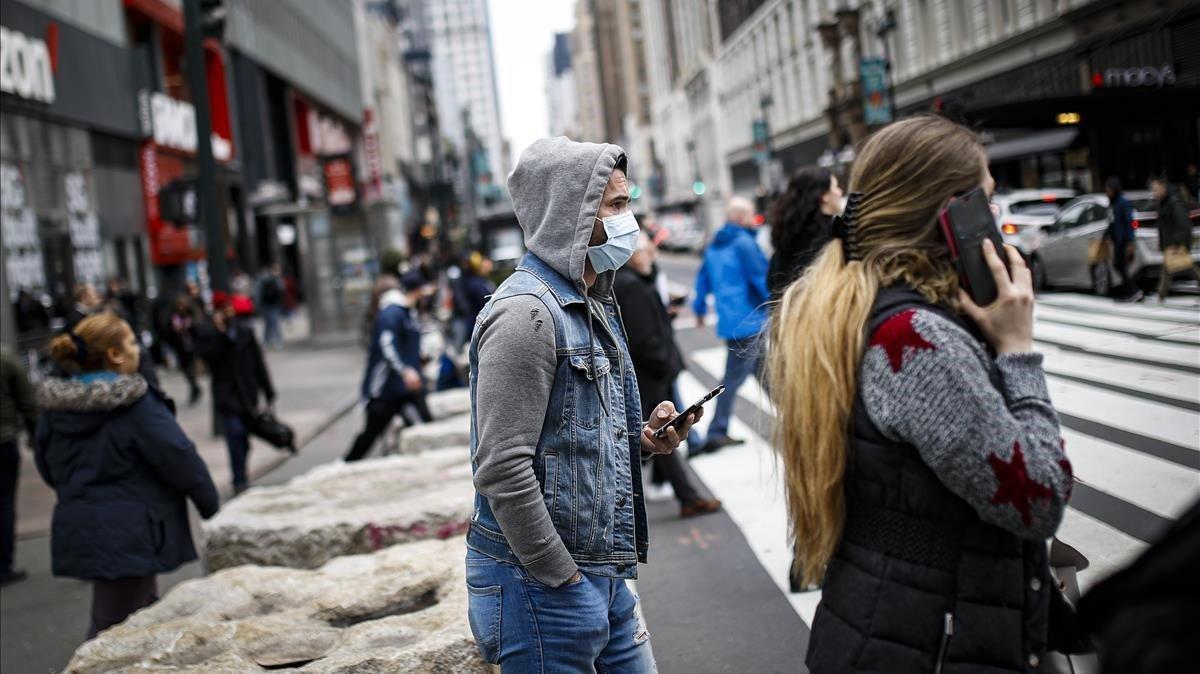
1131,409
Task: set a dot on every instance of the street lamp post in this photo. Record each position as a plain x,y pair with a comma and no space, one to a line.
206,168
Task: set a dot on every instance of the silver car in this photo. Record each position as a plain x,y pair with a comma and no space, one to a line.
1024,213
1058,255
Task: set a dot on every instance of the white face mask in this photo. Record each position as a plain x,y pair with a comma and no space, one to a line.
622,230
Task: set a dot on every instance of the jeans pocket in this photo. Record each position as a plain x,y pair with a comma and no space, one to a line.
484,609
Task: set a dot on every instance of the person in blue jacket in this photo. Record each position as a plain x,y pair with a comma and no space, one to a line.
1120,232
122,468
735,273
393,376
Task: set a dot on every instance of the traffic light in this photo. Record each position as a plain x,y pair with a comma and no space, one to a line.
699,188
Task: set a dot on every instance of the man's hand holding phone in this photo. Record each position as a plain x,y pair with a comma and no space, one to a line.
1008,321
673,436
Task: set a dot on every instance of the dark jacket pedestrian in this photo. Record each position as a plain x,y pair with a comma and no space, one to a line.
17,411
122,468
1144,617
656,357
1174,226
240,380
393,375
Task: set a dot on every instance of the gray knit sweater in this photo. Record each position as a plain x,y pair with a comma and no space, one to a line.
924,382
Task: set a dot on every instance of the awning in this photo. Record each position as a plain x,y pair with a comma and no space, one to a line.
1033,143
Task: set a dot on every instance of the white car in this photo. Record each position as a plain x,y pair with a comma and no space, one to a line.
1023,214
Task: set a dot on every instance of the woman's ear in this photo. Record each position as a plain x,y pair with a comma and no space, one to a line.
114,356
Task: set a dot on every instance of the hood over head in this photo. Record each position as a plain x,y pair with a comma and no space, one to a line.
82,404
556,191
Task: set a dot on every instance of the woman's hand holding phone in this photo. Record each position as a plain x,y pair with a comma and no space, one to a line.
1008,322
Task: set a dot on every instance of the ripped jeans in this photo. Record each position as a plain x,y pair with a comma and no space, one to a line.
593,625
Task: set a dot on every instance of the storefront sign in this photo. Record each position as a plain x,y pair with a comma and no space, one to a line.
877,105
26,66
327,135
84,229
172,123
374,179
22,248
339,183
1141,76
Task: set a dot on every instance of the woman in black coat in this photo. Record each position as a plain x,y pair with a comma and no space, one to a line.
239,377
109,446
656,362
801,223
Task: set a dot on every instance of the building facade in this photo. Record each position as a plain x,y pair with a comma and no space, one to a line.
561,105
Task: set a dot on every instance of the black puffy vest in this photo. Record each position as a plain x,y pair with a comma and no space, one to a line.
918,582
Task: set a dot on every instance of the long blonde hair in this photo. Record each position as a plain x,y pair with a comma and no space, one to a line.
907,172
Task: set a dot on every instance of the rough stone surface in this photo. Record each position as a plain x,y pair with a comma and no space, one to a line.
450,432
344,509
403,609
449,403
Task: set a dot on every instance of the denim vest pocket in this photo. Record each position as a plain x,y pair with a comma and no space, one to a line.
587,410
484,608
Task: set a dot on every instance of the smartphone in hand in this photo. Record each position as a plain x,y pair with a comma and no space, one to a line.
677,420
966,221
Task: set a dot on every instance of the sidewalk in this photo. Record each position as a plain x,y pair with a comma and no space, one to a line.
45,618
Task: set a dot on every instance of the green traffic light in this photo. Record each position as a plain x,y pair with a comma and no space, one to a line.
635,192
698,188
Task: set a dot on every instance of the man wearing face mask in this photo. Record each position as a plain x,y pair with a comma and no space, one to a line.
558,430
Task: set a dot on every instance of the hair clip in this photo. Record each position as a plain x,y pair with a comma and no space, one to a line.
81,352
844,226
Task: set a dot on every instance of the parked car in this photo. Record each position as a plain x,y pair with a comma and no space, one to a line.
1024,213
1058,254
685,233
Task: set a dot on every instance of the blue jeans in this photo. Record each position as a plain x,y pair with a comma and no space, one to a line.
238,442
594,625
272,334
744,359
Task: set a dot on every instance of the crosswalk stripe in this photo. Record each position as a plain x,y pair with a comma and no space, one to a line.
1158,486
1129,349
1150,419
1156,381
1137,327
1181,313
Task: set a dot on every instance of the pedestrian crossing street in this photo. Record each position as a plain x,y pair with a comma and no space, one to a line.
1125,380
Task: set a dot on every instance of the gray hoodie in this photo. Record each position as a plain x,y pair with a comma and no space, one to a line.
556,191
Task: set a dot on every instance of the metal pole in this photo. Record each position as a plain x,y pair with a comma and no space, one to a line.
206,178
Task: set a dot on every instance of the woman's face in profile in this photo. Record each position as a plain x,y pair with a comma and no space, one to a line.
831,201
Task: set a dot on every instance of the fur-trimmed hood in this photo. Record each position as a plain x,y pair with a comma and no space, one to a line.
81,404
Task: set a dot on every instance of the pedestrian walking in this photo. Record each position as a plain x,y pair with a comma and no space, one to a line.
1119,236
240,379
1174,237
181,337
470,292
393,375
560,522
270,297
734,271
17,411
801,224
87,302
122,468
924,467
657,362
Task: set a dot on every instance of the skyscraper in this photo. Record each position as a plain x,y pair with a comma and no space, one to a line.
465,82
560,89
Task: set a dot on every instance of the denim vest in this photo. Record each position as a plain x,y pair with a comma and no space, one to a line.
588,456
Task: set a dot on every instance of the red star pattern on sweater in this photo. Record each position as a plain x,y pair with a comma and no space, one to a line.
1016,487
896,334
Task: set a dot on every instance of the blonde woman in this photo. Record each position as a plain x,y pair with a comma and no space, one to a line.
922,455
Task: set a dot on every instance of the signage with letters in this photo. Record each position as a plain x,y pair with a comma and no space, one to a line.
172,124
1155,77
26,66
22,247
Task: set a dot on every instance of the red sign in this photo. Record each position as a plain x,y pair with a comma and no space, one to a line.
169,243
339,182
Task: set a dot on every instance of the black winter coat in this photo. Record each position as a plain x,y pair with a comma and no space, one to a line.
919,583
656,357
122,469
239,371
1174,227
